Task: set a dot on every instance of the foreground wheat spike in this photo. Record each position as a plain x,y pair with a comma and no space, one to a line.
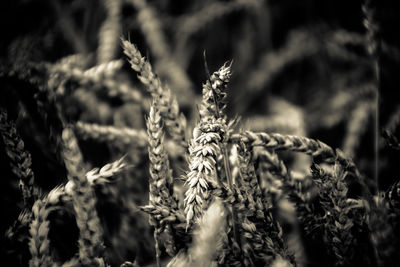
161,183
207,239
203,151
205,147
84,202
214,93
39,244
167,104
20,159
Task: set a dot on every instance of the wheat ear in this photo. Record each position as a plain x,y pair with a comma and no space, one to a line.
315,148
262,231
166,102
20,159
343,215
205,145
39,244
111,134
94,75
84,201
97,176
161,183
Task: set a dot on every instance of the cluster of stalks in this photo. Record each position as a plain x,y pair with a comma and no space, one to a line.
217,194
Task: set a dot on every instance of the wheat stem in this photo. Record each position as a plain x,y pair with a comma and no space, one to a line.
373,47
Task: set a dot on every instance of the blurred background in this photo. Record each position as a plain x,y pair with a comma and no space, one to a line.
299,67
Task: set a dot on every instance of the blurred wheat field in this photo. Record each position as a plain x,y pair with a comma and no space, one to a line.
199,133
